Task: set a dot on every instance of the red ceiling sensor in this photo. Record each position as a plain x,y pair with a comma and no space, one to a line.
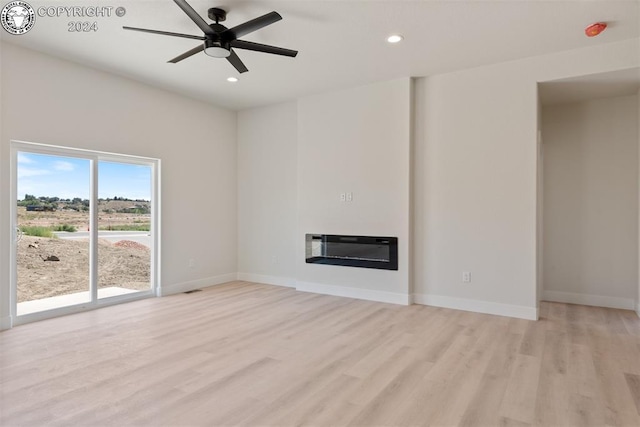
595,29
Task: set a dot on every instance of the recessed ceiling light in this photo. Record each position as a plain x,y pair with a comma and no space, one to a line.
232,79
395,38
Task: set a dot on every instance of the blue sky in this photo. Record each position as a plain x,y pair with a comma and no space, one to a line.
68,177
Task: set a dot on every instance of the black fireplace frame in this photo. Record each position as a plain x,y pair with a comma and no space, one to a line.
391,242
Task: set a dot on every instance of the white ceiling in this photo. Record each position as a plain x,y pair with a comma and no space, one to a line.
341,43
594,86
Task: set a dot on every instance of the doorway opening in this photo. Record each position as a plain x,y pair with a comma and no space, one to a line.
588,194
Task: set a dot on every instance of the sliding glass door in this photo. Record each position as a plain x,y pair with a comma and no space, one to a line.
52,200
85,229
124,228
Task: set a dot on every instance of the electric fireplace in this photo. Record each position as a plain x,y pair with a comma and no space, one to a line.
352,251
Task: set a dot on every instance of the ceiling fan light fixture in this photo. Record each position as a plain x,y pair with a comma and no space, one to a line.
217,52
216,49
395,38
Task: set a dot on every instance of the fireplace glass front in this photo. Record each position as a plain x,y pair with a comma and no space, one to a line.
352,251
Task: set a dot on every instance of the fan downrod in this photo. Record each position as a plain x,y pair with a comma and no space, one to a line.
217,14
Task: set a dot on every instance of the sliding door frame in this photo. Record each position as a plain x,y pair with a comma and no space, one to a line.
94,157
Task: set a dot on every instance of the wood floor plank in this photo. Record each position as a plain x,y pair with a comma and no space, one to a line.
373,384
508,422
484,407
464,390
380,411
633,381
533,340
249,354
581,372
442,381
320,406
519,400
585,411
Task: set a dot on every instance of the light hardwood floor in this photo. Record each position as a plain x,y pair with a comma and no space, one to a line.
249,354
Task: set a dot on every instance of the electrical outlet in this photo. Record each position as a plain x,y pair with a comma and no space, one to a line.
349,197
343,197
192,263
466,277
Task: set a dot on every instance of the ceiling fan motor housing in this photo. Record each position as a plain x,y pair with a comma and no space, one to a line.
218,29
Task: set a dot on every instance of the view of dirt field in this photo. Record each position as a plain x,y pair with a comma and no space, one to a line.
51,266
123,264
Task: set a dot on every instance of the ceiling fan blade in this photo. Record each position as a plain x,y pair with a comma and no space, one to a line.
236,62
187,54
250,26
164,33
195,17
243,44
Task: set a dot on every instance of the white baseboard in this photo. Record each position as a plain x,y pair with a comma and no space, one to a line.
478,306
268,280
586,299
5,323
343,291
197,284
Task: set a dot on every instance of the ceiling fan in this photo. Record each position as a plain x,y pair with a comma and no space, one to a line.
220,41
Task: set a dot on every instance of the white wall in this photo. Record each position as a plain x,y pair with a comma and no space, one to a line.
475,178
357,141
476,190
5,317
52,101
267,194
294,161
540,207
474,183
591,202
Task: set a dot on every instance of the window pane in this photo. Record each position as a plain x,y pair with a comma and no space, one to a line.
53,218
124,228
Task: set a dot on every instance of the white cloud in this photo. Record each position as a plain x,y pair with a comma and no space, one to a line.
63,166
24,159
